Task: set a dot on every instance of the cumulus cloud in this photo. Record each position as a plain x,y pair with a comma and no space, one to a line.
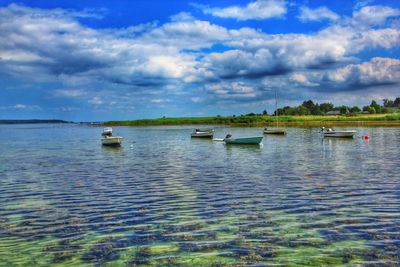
237,63
257,10
59,45
232,90
378,71
149,61
256,54
374,15
187,34
318,14
374,73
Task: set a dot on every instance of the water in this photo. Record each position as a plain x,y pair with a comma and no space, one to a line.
164,199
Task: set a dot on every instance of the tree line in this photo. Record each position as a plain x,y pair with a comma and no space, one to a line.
310,108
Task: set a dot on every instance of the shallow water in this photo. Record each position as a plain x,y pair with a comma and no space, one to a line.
164,199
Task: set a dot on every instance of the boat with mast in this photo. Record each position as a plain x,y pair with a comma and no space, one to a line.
277,130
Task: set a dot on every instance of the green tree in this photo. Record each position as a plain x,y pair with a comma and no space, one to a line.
302,110
388,103
326,107
376,106
309,104
371,110
355,109
343,109
396,103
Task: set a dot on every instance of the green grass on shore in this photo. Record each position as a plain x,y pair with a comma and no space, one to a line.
260,120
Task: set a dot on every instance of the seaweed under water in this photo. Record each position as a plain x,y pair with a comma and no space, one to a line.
298,201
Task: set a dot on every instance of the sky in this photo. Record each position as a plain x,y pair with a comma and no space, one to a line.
118,60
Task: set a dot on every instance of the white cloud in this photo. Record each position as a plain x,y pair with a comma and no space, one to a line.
197,99
232,90
26,107
69,109
257,10
143,62
96,101
69,93
182,16
256,54
187,34
363,3
374,15
318,14
376,71
54,45
20,106
160,101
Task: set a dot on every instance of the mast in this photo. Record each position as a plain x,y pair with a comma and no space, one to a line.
276,109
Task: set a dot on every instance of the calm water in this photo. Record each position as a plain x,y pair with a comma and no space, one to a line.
164,199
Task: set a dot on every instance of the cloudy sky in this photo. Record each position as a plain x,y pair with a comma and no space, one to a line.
103,60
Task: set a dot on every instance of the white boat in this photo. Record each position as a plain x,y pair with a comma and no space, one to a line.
328,132
207,133
110,140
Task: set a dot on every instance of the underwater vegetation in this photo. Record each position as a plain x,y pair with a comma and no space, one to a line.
62,250
256,239
102,251
173,201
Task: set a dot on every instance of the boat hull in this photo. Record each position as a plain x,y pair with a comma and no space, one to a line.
112,141
340,134
275,131
202,134
244,141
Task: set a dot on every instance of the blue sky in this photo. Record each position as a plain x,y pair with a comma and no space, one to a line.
103,60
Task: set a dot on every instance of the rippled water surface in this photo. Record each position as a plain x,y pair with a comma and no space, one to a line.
164,199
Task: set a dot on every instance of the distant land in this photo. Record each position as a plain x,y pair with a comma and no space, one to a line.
270,120
306,114
31,121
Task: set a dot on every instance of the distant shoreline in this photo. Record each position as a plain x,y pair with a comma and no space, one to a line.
267,120
32,121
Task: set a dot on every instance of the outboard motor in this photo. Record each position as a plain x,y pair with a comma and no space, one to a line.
228,136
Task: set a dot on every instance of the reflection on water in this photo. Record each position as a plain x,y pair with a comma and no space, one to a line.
170,200
112,149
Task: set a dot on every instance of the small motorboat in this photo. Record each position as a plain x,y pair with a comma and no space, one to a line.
243,141
203,133
328,132
110,140
276,131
